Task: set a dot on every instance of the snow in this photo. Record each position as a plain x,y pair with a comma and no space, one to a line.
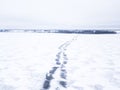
95,62
92,61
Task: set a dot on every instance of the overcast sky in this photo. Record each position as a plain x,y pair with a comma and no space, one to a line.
69,14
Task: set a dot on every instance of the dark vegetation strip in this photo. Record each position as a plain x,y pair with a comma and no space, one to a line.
94,31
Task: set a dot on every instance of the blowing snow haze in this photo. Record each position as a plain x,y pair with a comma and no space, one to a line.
63,14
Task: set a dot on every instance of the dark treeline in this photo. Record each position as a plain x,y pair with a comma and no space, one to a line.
87,31
61,31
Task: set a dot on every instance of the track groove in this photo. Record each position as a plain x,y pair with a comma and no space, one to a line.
61,61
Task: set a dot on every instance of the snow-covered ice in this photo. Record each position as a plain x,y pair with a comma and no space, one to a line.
94,62
84,62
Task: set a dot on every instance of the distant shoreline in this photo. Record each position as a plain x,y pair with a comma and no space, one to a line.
87,31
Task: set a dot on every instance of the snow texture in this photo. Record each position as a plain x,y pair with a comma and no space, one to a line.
47,61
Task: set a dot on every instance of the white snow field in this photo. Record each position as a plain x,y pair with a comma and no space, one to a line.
46,61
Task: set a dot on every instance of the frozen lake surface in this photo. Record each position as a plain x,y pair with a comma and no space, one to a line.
46,61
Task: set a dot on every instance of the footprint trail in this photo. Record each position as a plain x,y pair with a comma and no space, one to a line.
58,73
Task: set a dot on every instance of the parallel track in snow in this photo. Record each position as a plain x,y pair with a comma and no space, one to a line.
58,73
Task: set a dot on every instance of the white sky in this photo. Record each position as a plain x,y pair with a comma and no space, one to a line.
70,14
